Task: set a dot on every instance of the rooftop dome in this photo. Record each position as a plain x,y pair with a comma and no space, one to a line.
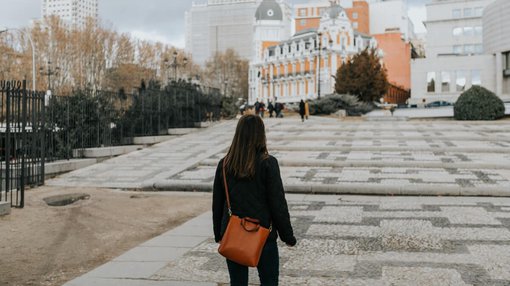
269,10
335,10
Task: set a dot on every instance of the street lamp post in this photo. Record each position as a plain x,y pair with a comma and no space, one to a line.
49,72
34,85
175,64
319,67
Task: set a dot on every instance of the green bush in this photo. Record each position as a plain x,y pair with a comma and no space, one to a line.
229,109
334,102
478,103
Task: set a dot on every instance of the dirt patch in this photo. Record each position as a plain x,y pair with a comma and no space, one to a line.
44,245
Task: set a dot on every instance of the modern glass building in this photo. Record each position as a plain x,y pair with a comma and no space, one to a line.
218,25
73,12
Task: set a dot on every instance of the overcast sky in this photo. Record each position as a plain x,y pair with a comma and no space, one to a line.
157,20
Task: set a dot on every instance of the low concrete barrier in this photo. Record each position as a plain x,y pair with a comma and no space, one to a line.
105,151
181,131
64,166
150,140
5,208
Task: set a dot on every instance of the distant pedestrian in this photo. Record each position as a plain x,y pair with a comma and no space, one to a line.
307,109
270,108
302,110
257,107
262,109
278,109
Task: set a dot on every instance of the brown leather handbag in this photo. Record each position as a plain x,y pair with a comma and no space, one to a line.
244,238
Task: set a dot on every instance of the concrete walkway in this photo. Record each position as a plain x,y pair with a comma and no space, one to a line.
325,155
342,240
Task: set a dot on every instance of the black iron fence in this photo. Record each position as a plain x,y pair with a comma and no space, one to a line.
21,140
89,119
36,128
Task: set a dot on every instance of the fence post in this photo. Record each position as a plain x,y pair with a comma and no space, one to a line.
10,90
23,143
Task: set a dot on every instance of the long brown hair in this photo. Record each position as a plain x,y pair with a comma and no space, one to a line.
248,145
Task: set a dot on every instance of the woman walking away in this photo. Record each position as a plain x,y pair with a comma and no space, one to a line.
255,192
302,110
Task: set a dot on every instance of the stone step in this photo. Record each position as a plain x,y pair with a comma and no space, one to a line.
501,150
343,138
151,140
352,189
379,164
105,151
385,118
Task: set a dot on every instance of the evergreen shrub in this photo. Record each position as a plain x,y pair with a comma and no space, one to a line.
479,103
335,102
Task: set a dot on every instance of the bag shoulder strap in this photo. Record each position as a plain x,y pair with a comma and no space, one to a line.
226,187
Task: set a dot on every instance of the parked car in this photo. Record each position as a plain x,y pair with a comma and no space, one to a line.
438,104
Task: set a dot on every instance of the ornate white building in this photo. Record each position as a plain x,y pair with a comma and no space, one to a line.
291,70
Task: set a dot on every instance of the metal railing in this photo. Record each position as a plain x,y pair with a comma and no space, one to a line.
90,119
22,140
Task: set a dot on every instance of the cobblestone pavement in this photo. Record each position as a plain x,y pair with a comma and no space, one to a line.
325,155
348,240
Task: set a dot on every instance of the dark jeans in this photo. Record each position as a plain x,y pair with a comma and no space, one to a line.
268,268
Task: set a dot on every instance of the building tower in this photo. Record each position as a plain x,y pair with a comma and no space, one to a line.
73,12
272,25
219,25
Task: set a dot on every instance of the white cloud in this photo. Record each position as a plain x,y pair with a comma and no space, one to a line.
156,36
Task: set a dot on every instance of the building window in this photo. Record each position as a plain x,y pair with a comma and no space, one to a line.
302,12
302,22
478,30
478,11
355,15
457,31
456,13
355,25
476,78
431,82
468,31
469,49
506,60
479,49
468,12
445,81
461,81
458,49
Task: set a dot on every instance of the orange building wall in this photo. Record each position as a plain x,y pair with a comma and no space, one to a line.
312,17
397,58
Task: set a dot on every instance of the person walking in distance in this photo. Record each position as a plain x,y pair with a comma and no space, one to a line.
257,107
302,110
270,108
256,191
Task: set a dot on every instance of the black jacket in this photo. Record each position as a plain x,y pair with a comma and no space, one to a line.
261,198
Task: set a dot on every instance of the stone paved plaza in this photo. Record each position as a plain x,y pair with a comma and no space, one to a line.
463,239
325,155
343,240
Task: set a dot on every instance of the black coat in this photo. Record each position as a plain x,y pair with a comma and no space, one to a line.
261,198
302,108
